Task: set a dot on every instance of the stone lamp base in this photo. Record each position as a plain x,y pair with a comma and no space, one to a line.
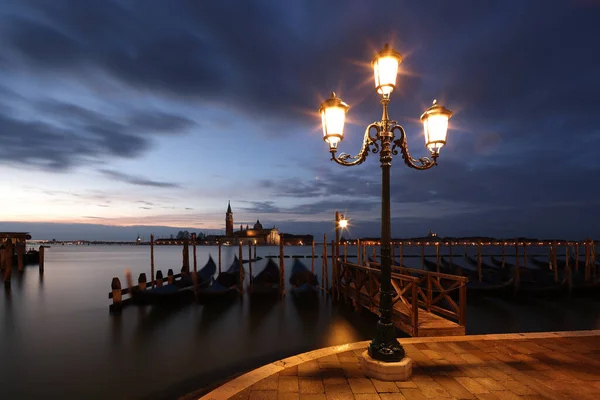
386,371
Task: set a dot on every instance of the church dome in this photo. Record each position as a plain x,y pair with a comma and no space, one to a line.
257,225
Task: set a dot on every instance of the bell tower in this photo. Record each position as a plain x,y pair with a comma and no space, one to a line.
229,221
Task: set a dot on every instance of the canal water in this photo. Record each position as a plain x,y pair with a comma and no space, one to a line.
58,340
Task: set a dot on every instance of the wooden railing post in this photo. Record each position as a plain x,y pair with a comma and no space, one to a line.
462,318
415,310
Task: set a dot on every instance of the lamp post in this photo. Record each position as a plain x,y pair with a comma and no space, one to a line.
389,138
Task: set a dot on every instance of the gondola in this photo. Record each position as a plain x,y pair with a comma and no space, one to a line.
304,283
227,284
180,291
266,283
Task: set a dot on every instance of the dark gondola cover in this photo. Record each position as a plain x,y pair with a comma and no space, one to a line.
231,277
304,283
267,281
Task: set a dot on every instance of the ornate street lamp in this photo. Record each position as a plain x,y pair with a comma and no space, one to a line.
388,139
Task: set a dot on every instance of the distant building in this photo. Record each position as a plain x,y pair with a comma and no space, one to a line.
255,235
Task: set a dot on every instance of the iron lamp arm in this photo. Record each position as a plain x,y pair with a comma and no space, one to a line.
422,163
369,144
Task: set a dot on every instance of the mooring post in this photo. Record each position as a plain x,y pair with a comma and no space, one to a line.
358,259
152,260
312,268
517,269
170,278
568,271
142,281
195,258
503,255
479,272
551,251
576,256
524,255
587,259
117,297
422,255
323,259
129,281
219,257
333,268
346,251
554,262
20,247
450,254
41,253
325,264
159,278
250,261
186,255
8,258
374,254
401,255
255,250
281,267
241,261
437,257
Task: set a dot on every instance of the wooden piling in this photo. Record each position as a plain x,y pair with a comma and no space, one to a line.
152,260
195,258
333,267
450,254
255,250
250,261
568,271
159,278
576,256
8,257
479,271
524,255
587,259
374,254
553,261
170,278
219,257
323,259
20,247
503,255
517,269
437,257
312,267
41,265
325,272
358,259
422,256
129,281
186,255
281,267
241,261
345,251
117,304
142,281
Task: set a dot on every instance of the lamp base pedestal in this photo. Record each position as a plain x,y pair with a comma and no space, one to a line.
386,371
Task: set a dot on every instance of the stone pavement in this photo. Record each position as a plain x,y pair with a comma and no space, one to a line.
559,365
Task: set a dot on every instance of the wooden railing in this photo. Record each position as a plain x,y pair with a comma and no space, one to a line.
438,293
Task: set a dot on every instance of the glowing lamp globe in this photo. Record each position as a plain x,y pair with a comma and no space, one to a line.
435,126
385,69
343,223
333,116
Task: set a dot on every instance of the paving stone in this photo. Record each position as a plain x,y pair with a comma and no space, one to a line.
391,396
269,383
505,395
410,384
471,385
413,394
311,385
288,396
312,396
290,371
310,368
384,386
454,388
243,395
361,385
263,395
432,389
365,396
288,384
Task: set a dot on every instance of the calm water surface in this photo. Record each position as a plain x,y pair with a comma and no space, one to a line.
58,340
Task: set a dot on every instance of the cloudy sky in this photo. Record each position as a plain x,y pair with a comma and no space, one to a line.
156,113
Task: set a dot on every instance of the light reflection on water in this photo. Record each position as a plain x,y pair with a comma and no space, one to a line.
58,340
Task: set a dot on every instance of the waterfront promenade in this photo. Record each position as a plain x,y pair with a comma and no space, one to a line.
546,365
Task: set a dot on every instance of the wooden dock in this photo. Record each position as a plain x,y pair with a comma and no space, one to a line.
428,304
